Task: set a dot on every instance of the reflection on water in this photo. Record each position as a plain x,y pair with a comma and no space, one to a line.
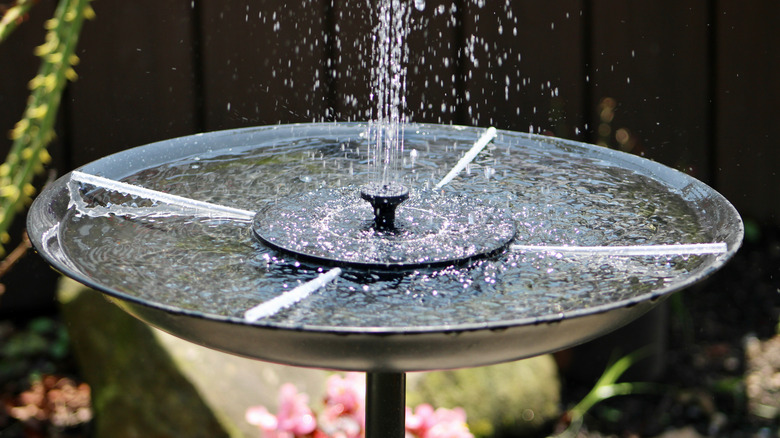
556,197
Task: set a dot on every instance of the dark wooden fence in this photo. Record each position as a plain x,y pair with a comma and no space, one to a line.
692,84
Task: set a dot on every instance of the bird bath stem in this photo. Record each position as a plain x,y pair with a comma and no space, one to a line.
385,404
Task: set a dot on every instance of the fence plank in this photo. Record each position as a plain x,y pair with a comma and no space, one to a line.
652,59
748,93
524,66
263,62
136,78
350,73
433,43
430,42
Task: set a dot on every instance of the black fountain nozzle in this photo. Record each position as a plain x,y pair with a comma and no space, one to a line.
384,198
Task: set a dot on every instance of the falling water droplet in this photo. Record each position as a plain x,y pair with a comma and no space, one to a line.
419,4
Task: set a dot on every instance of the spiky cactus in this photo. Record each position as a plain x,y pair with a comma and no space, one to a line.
33,133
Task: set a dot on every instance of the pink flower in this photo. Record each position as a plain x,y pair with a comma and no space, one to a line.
348,392
344,415
419,421
260,417
341,427
345,401
295,418
424,422
294,415
449,424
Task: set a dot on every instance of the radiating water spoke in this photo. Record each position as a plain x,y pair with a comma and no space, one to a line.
469,156
631,250
176,205
287,299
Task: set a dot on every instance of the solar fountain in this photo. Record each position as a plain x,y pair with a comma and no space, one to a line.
490,246
294,244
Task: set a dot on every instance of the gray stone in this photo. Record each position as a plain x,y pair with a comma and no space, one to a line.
147,383
517,398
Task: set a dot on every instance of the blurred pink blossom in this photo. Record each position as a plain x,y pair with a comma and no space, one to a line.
425,422
347,395
260,417
294,419
344,415
345,402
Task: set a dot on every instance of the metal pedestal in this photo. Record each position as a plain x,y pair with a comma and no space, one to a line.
385,405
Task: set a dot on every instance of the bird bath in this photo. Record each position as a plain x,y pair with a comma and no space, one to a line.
582,240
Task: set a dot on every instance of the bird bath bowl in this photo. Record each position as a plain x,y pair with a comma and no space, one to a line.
588,240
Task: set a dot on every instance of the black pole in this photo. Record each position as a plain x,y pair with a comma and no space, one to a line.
385,405
384,198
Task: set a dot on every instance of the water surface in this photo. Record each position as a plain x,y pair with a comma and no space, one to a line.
556,195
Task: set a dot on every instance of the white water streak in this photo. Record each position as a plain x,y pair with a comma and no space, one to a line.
287,299
633,250
188,205
483,141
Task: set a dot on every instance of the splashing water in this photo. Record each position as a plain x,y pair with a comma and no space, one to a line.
388,77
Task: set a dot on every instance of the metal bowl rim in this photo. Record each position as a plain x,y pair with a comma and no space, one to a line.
656,168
